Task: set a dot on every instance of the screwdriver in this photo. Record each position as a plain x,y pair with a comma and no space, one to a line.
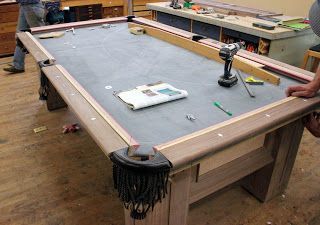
222,108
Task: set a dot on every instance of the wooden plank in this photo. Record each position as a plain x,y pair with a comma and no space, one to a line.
97,126
282,70
180,194
229,173
131,142
164,27
35,48
268,61
230,154
252,63
64,26
259,72
210,52
271,180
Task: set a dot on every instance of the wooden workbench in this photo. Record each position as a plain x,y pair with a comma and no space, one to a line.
114,8
284,44
9,12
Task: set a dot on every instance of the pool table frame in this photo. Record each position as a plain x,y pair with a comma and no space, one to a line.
258,148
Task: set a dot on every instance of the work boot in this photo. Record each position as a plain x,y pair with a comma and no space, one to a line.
12,69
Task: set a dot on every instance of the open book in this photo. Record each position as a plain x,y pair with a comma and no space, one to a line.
151,94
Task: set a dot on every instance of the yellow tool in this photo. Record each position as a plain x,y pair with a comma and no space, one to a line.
251,80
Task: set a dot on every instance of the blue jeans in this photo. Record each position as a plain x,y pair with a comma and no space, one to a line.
30,15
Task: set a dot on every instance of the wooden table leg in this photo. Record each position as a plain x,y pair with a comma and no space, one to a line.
173,210
272,180
180,195
48,92
54,100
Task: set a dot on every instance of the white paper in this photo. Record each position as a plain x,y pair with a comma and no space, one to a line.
144,96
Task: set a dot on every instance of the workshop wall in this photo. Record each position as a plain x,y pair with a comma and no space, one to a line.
287,7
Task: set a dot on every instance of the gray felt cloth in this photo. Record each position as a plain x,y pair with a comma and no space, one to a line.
99,57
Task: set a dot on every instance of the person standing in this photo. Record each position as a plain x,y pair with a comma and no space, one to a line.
31,14
311,89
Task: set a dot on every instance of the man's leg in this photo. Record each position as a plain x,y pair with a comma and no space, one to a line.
30,16
19,55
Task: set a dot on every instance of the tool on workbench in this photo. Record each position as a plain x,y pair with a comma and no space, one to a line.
250,92
264,26
196,7
205,11
217,104
251,80
106,25
220,16
190,117
227,53
72,30
188,4
175,4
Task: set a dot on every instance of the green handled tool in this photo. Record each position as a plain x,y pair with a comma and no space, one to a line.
222,108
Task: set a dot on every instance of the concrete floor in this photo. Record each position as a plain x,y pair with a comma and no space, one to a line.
54,178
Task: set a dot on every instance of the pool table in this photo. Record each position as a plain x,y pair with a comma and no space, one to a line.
163,161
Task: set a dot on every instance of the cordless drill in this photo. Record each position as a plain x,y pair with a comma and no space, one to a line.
226,53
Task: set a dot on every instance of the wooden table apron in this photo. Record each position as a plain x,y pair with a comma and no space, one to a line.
259,149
